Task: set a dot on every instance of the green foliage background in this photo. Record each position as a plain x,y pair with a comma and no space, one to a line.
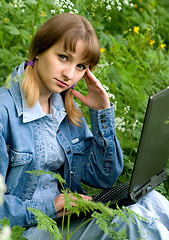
134,61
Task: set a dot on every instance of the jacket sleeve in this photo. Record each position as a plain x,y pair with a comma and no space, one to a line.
103,159
13,208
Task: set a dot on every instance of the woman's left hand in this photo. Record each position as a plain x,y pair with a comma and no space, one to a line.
97,97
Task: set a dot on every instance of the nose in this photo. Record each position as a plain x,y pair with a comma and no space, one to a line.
68,72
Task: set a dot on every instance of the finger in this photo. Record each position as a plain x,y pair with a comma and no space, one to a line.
90,77
88,198
78,95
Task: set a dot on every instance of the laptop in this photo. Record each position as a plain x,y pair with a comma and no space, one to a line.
151,159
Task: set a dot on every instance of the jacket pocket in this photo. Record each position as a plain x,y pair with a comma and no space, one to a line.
19,164
19,158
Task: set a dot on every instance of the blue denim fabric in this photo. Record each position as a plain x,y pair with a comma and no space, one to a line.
154,207
92,158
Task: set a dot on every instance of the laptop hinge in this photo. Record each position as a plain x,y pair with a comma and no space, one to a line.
154,182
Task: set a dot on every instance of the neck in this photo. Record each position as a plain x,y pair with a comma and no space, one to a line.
45,105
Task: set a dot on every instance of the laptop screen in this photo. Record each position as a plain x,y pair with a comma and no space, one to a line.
153,149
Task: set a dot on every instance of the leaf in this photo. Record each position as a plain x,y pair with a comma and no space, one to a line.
131,67
12,30
4,222
17,233
46,223
38,173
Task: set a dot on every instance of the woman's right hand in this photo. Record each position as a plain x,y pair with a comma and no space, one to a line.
59,202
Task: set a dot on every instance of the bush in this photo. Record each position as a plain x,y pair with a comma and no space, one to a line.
134,59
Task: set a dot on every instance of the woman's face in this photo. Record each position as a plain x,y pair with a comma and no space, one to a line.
57,70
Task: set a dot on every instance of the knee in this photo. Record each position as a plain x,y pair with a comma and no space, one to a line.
155,197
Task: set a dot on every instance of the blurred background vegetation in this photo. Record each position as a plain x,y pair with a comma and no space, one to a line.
134,42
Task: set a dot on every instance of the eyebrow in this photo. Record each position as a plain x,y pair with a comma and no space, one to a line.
69,54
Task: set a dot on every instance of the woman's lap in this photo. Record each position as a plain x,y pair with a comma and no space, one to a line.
154,207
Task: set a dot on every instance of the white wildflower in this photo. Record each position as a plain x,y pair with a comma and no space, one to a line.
126,109
5,233
2,189
115,105
71,4
75,11
18,4
118,3
56,2
61,10
108,7
119,8
106,87
104,65
111,95
63,5
134,124
126,2
120,124
52,11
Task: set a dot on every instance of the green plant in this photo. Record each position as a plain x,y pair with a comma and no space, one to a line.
134,55
102,213
14,234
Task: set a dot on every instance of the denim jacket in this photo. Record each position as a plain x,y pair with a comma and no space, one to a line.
92,157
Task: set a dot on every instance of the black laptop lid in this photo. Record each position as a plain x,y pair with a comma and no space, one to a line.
153,150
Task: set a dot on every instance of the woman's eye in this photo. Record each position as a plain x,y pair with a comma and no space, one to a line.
81,67
63,57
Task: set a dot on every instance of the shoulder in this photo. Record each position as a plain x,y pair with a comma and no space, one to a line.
7,104
5,96
3,90
4,101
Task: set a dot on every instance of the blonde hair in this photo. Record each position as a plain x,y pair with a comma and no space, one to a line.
68,28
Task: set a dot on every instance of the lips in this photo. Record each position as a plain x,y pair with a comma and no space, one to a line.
61,83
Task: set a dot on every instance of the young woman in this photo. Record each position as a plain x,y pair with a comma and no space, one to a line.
42,128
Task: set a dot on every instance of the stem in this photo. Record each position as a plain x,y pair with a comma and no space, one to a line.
80,226
3,49
50,235
63,218
35,20
68,226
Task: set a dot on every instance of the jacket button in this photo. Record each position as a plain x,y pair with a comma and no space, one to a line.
105,126
102,115
69,151
103,120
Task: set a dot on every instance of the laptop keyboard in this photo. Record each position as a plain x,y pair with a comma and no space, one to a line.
112,194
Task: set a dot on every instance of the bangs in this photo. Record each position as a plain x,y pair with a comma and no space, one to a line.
68,29
91,53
